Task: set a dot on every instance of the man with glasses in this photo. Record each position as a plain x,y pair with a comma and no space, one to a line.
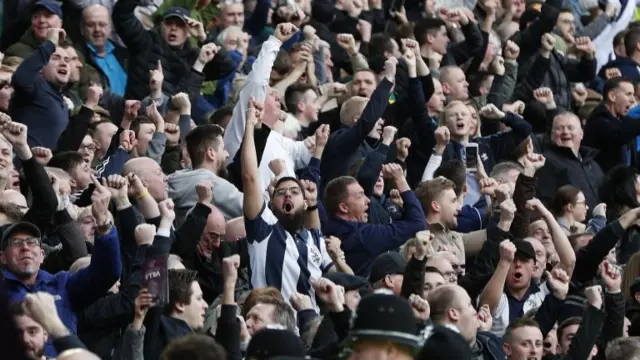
22,255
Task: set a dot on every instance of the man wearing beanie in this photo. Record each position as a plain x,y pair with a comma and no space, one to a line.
383,326
270,342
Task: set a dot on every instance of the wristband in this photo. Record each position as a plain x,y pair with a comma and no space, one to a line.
143,194
312,208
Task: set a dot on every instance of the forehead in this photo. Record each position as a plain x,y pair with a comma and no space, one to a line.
233,8
458,108
527,333
107,127
96,13
287,184
432,277
261,309
61,52
363,75
21,235
626,86
195,289
71,51
87,139
25,322
147,127
566,120
565,15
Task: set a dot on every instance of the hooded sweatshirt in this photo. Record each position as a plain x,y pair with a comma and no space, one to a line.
182,190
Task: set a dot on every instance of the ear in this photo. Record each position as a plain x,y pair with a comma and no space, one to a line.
3,259
343,208
211,154
435,207
507,349
570,207
179,307
445,88
429,38
453,314
72,183
300,106
465,188
611,96
388,282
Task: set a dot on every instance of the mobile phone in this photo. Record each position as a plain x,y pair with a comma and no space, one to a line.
471,157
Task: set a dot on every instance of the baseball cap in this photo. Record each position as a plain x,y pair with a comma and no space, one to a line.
390,263
26,227
524,250
178,12
52,6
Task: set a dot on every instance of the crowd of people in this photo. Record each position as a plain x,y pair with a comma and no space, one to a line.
290,179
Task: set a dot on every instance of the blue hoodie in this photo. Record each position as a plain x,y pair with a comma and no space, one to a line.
628,68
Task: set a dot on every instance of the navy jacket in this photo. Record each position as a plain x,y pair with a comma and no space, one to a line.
74,291
628,68
494,148
362,242
36,103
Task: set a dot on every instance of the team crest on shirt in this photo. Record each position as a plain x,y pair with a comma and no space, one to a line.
316,258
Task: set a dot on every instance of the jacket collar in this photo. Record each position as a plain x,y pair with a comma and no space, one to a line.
585,152
42,278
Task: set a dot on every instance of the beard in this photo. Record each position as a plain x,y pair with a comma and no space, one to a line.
222,171
35,354
292,222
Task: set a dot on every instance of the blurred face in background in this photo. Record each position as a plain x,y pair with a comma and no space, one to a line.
6,90
42,20
174,31
621,99
458,120
436,102
87,149
75,65
96,25
233,15
144,136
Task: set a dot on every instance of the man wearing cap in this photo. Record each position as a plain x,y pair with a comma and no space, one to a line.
184,67
383,326
22,255
387,272
510,292
47,14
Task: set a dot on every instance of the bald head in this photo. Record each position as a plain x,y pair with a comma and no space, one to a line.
14,197
96,26
235,229
151,175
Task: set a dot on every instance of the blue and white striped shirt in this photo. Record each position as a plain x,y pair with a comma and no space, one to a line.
282,260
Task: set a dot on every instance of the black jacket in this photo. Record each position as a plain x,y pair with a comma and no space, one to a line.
613,137
564,168
146,47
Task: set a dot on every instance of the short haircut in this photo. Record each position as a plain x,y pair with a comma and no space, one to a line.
445,74
337,192
218,116
256,295
455,171
282,313
613,84
520,323
631,39
93,127
282,64
500,170
352,108
619,38
425,27
17,309
180,281
432,269
429,191
380,43
12,211
66,160
565,195
223,34
194,347
624,349
139,120
440,300
294,94
576,320
200,139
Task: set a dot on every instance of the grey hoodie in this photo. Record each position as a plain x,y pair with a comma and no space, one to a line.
182,190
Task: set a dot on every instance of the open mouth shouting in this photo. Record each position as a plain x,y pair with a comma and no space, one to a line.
287,207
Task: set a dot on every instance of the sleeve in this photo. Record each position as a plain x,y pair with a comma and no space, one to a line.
132,33
583,70
25,78
72,240
587,334
472,44
133,344
72,137
261,227
221,66
189,233
227,198
254,87
228,331
327,263
369,172
156,146
92,282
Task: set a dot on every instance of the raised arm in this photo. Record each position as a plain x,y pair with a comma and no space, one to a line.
493,291
255,87
253,200
92,282
128,27
28,72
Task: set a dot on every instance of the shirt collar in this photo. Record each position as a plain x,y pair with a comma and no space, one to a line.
109,48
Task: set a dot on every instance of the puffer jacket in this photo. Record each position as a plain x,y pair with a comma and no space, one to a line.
147,47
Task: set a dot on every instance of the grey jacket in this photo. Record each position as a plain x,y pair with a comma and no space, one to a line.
182,190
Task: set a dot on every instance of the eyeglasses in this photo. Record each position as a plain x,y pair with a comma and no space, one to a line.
295,190
90,147
211,236
30,242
